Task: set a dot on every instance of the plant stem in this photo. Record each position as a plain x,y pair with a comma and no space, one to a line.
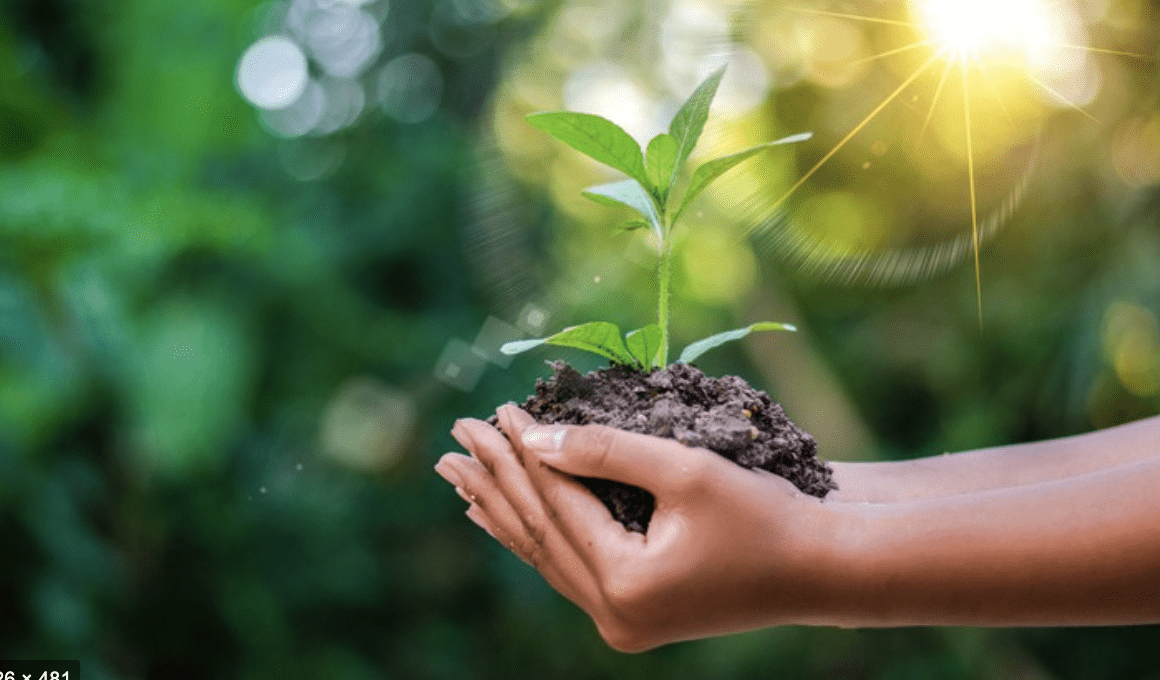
663,276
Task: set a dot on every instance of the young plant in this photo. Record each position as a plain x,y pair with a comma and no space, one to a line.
649,190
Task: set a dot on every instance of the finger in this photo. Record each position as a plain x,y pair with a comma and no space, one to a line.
513,421
565,581
516,484
574,583
475,514
536,537
461,434
481,519
583,519
553,558
496,453
481,491
551,484
468,475
651,463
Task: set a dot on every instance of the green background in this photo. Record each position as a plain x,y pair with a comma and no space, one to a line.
224,379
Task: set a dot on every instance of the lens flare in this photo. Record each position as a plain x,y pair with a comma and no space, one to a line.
1019,54
970,30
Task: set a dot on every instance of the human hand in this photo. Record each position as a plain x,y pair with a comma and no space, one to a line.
727,549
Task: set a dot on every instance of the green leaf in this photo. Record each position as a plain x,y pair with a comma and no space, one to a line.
598,337
631,225
628,193
701,346
689,122
596,137
711,170
661,161
644,344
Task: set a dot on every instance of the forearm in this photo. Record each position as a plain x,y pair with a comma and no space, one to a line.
1079,551
997,468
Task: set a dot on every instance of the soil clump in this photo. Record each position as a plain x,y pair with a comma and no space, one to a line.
680,402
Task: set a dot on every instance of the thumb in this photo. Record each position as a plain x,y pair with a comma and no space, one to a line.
608,453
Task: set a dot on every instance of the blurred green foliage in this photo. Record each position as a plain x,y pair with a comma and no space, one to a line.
218,396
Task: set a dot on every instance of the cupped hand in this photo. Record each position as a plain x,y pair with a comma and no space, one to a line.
727,549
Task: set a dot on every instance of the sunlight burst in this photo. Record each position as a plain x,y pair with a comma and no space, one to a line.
970,30
1013,48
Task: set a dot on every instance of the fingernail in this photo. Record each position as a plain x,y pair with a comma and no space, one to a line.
459,431
463,495
473,515
447,472
502,415
544,438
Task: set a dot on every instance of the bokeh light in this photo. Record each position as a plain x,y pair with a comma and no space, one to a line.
409,87
345,101
342,37
830,49
463,29
368,425
300,117
1134,151
318,63
272,73
1131,341
605,89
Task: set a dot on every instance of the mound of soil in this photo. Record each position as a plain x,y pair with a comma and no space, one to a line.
680,402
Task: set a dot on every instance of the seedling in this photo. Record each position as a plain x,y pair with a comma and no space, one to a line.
649,191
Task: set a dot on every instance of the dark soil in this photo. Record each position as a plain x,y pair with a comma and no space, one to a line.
680,402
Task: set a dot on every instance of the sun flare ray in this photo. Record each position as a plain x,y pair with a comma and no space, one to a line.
1062,98
933,103
974,206
854,17
887,53
1100,50
850,135
1001,45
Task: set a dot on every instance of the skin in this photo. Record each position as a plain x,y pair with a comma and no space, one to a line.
1045,534
997,468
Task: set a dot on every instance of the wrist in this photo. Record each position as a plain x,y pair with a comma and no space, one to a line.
855,483
888,566
824,539
876,482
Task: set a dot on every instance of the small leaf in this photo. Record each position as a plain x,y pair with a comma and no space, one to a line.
644,344
660,161
711,170
628,193
598,337
596,137
631,225
521,346
689,122
701,346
